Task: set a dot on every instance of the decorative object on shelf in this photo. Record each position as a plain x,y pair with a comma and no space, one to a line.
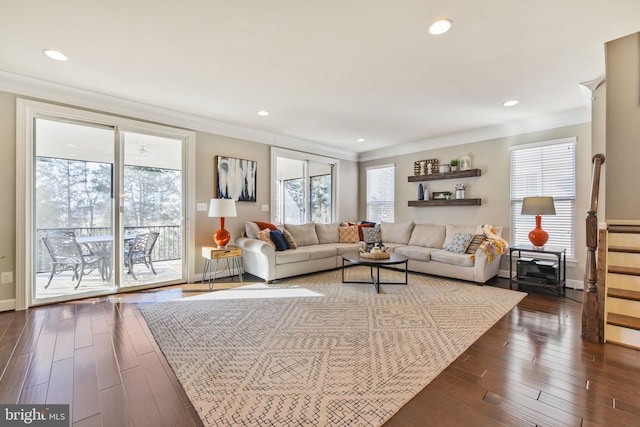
447,194
444,168
454,165
235,179
222,208
460,191
465,163
425,167
441,195
420,192
538,206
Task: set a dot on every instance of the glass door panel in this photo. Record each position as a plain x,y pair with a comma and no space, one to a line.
152,209
73,210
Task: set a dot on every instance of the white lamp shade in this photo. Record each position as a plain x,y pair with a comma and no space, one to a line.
222,208
538,206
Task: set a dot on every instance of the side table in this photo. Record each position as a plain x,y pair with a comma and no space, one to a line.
231,253
535,271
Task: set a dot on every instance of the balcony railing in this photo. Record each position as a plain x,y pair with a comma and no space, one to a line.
168,246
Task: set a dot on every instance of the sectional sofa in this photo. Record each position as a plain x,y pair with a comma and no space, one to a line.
431,249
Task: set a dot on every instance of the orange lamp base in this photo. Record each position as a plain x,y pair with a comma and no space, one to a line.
538,237
221,237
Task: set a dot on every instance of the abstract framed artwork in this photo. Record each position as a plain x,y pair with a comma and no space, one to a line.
235,179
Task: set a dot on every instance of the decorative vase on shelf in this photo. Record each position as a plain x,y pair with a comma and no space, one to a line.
420,192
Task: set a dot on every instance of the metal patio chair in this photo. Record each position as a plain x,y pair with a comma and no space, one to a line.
66,254
140,252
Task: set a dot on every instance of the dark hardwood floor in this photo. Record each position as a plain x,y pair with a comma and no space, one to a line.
530,369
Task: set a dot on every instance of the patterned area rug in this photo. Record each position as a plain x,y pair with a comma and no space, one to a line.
312,351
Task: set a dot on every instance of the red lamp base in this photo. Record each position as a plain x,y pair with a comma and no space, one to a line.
221,236
538,237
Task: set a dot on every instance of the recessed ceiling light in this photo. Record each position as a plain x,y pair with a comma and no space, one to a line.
263,113
440,26
510,103
54,54
360,140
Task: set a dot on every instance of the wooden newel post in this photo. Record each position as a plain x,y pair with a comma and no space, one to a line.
592,320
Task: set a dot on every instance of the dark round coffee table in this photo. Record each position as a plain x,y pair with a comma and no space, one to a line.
354,258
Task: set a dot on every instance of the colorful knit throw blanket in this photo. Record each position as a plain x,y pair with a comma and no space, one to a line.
494,244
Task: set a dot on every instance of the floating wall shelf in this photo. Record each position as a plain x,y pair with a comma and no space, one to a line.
446,175
445,202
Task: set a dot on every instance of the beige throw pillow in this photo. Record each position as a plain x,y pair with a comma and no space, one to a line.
427,236
328,233
265,236
396,233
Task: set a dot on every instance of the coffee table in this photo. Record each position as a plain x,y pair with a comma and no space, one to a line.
354,258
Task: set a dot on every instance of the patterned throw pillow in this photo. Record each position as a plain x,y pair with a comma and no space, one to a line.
349,234
459,243
265,236
289,239
372,234
475,243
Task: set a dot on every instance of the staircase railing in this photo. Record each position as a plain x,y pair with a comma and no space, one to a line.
592,318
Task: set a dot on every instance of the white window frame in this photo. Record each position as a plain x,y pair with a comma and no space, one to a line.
26,111
390,191
307,158
557,181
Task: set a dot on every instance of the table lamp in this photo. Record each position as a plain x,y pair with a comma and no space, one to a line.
222,208
538,206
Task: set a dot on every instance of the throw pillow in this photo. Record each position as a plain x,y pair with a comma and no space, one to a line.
372,234
278,239
290,240
360,227
264,225
304,235
328,233
349,234
452,229
251,228
459,243
475,243
265,236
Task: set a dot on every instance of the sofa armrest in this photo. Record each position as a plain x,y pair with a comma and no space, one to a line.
483,269
258,258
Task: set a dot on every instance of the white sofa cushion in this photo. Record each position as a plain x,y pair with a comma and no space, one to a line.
286,257
396,233
427,236
328,233
304,235
417,253
446,257
320,251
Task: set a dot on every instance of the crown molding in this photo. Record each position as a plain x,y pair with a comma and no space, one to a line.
54,92
533,124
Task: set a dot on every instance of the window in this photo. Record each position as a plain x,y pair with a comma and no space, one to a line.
545,169
303,187
380,193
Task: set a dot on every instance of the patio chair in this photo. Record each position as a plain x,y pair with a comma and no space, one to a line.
140,252
66,254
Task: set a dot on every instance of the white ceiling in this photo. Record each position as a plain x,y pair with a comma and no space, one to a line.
328,71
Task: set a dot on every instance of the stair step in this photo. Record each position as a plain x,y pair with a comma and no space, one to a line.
623,294
631,229
623,321
632,271
624,249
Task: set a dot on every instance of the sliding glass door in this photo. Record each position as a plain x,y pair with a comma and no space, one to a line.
108,209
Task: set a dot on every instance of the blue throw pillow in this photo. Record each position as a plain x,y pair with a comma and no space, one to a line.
372,224
278,240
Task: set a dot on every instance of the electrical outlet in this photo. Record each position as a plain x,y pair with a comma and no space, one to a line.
6,277
201,207
265,208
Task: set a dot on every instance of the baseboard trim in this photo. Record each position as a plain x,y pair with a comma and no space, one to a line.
8,305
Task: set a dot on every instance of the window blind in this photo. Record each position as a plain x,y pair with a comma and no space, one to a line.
545,170
380,193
